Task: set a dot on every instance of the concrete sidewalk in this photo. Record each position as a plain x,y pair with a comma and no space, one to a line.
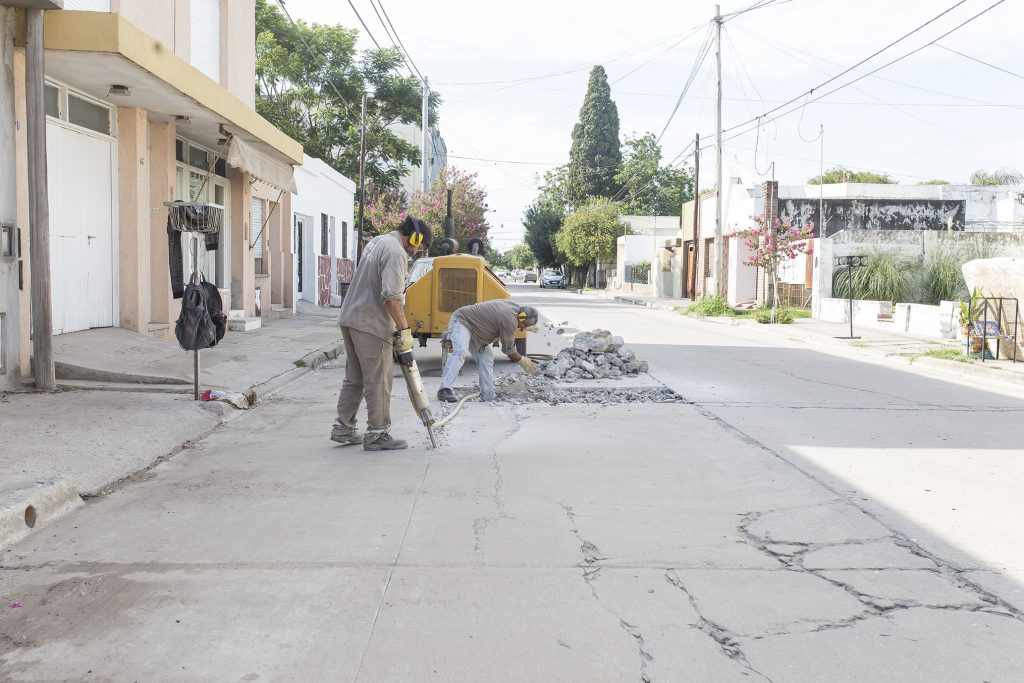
131,406
891,346
239,362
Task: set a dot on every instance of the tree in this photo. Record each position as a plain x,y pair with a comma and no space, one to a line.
469,206
520,256
589,235
934,182
384,210
774,245
650,189
299,94
839,174
1000,176
554,191
595,155
496,259
542,224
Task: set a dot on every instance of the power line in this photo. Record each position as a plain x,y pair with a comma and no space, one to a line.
365,27
975,59
789,51
401,45
387,31
851,68
309,50
701,55
861,77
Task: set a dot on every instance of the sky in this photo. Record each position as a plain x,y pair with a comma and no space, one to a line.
513,76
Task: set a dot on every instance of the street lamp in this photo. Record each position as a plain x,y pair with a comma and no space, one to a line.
851,262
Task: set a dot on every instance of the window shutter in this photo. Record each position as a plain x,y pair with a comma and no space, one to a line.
205,29
255,227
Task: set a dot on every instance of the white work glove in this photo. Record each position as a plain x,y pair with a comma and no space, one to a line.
527,365
402,340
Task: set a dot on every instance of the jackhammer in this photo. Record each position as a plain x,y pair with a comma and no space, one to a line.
420,402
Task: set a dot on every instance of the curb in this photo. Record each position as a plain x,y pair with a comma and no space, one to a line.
29,506
311,362
952,369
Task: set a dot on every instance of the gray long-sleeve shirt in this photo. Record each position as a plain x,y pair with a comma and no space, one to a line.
379,278
490,321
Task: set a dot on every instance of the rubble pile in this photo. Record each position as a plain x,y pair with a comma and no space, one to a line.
594,355
520,389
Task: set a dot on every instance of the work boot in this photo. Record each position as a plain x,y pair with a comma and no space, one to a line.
346,438
447,395
384,442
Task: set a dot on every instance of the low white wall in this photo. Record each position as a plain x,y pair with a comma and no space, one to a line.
865,313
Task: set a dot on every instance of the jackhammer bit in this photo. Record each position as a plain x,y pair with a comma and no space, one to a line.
420,402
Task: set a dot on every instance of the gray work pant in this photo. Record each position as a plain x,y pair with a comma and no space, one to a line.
484,359
368,373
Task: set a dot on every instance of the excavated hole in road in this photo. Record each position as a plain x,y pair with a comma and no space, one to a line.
519,390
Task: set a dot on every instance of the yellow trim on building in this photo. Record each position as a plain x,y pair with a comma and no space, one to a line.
109,32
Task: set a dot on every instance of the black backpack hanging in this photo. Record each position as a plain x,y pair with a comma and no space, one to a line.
215,306
195,328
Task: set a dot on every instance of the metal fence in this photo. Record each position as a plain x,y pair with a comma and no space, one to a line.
638,273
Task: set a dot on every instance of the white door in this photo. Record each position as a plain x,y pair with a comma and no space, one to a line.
80,173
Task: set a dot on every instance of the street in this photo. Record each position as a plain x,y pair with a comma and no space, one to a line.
799,515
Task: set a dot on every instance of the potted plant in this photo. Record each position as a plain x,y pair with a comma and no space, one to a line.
970,311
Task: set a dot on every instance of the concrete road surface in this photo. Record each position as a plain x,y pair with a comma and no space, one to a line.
799,517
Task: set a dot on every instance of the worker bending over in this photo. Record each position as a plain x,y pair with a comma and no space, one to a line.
369,317
475,328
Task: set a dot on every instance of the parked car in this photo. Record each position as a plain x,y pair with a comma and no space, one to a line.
518,275
552,278
530,276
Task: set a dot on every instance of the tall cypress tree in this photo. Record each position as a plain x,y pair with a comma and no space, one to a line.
596,156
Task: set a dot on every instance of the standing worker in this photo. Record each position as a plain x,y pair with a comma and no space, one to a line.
475,328
369,317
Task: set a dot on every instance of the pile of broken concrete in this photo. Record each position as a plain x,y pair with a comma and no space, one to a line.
593,355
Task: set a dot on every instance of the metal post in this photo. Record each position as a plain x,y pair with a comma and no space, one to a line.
850,269
362,181
39,214
426,135
195,280
719,247
692,281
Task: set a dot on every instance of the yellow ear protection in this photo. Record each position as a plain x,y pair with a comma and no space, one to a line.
416,239
521,316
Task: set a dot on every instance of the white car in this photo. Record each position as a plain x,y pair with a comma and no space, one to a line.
552,278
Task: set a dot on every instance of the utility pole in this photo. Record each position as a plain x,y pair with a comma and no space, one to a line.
39,207
692,284
362,180
720,288
424,156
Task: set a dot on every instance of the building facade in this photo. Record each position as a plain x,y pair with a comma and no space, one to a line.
151,101
437,155
323,232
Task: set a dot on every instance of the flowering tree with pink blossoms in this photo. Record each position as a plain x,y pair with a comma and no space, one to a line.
772,246
469,205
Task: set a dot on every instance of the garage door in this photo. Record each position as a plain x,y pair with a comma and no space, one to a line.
80,172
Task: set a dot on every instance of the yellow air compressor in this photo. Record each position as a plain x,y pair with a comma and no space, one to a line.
438,285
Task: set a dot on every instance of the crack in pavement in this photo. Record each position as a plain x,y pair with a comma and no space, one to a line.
727,641
876,606
948,567
591,571
482,524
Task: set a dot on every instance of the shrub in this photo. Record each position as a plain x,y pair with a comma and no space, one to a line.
764,316
710,306
942,278
885,277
